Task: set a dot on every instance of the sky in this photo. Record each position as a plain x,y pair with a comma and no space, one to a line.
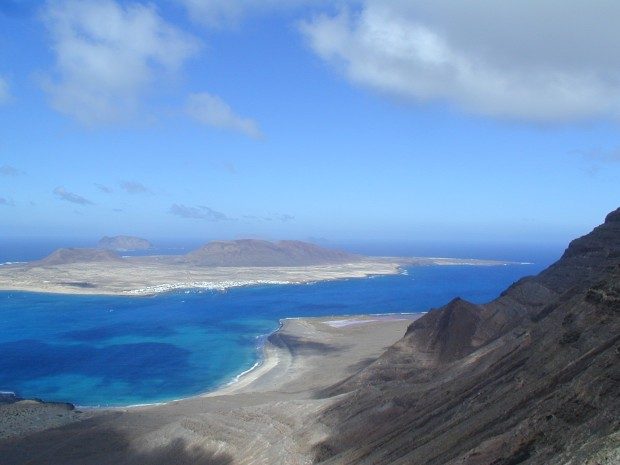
309,119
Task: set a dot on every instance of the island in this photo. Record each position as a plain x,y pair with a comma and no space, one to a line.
217,265
505,382
124,243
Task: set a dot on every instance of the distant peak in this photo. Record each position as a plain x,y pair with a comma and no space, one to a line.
77,255
457,301
613,217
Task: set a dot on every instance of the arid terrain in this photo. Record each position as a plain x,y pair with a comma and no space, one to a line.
531,377
217,265
144,276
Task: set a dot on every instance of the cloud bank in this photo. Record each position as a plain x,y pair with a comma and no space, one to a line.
213,111
200,212
532,60
107,54
64,194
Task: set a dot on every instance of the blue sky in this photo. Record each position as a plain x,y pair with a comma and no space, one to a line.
360,120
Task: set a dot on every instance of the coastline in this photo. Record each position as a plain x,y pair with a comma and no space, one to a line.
140,277
270,356
136,279
268,404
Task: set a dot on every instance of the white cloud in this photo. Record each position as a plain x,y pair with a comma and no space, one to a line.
5,95
213,111
226,12
528,59
107,54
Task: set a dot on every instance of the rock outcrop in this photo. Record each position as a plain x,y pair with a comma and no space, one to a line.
532,377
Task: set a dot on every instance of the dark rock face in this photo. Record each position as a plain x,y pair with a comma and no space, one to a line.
532,377
73,255
124,243
446,335
250,252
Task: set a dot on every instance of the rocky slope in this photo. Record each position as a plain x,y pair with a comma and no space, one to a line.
124,243
532,377
251,252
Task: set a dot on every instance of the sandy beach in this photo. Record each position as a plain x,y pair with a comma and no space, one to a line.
265,416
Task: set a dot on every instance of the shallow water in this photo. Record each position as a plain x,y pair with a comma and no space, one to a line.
105,351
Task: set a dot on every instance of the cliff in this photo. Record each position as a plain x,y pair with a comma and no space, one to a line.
532,377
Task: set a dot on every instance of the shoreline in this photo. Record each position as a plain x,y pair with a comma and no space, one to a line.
269,358
272,403
236,383
186,288
136,278
95,279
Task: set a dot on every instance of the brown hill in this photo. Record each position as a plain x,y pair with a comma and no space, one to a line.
74,255
251,252
532,377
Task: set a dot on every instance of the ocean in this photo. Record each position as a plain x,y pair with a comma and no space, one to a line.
119,351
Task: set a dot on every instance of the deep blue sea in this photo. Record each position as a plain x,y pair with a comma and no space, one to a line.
112,351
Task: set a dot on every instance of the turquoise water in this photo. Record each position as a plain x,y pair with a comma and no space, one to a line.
111,351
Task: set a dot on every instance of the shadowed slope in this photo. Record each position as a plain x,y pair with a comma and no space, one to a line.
93,442
532,377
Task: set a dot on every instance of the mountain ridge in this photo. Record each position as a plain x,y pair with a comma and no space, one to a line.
254,252
531,377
